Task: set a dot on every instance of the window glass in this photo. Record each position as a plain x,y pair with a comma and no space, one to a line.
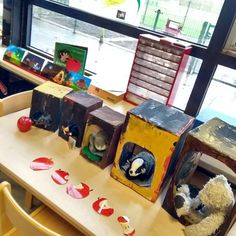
187,19
220,99
1,14
186,83
110,55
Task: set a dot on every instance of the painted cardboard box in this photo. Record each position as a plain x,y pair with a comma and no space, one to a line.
101,136
148,140
76,107
46,105
213,142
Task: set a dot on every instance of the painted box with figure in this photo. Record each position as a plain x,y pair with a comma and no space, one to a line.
145,149
101,136
46,105
75,109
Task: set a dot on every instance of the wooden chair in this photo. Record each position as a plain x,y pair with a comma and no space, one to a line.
41,222
15,102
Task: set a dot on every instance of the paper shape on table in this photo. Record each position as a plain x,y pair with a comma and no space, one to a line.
101,207
78,191
60,176
124,223
41,163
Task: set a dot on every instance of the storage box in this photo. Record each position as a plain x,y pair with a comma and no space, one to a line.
75,109
108,95
101,136
46,105
215,141
150,134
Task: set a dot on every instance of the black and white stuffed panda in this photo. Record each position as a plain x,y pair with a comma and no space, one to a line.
141,166
187,203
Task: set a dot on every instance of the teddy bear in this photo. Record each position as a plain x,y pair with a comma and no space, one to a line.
205,209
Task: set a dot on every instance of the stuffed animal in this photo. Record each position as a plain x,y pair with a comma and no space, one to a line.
187,203
98,143
141,166
216,200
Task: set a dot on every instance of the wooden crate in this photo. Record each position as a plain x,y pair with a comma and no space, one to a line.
146,145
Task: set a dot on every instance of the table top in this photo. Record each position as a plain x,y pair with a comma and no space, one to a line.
19,149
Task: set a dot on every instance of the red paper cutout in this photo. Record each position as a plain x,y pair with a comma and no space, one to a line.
41,163
60,176
127,229
78,192
101,207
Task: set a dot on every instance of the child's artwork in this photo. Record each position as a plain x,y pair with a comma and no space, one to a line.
41,163
70,56
101,207
33,62
77,82
54,72
14,54
60,176
80,191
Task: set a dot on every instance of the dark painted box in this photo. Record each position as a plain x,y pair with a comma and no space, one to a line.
75,109
101,136
147,143
213,142
46,105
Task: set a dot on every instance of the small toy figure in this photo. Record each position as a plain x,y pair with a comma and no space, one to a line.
141,166
187,201
41,119
98,143
71,130
208,208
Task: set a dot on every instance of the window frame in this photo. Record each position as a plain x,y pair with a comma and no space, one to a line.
210,55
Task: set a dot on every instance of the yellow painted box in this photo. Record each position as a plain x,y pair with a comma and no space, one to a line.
145,149
46,105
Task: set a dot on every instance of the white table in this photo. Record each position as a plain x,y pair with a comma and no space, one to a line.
19,149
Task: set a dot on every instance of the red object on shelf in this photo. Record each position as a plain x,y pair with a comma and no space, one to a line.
157,69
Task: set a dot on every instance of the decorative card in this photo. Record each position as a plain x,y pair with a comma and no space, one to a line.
54,72
72,57
77,82
33,62
14,54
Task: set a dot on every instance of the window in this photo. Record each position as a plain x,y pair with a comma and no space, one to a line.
204,23
110,54
187,19
221,95
1,13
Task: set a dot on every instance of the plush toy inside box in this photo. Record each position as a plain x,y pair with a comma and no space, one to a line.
46,105
75,109
146,145
187,200
101,136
